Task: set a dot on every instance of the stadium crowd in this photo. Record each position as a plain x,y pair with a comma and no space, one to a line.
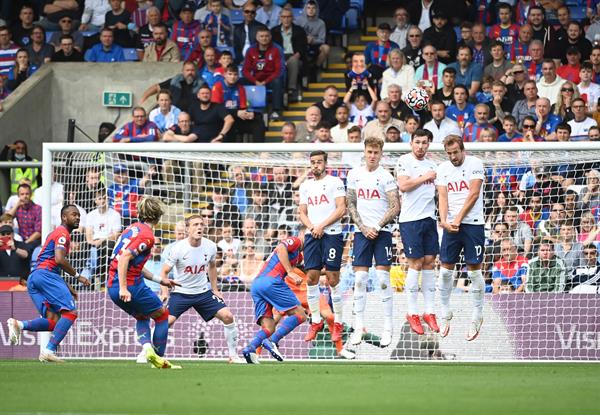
517,71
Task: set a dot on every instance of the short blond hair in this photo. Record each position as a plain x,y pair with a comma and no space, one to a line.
374,142
150,209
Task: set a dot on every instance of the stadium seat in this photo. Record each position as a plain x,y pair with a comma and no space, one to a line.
89,33
256,96
577,13
49,36
130,54
458,34
236,16
298,13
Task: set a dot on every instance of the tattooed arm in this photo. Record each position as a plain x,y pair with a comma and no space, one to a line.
393,210
351,203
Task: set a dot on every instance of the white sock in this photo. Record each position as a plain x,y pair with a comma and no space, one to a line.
477,290
360,299
411,286
231,336
387,299
147,346
312,297
20,324
428,289
338,307
445,285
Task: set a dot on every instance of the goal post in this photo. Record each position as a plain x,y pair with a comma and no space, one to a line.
260,181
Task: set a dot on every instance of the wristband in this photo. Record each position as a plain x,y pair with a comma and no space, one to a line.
377,227
156,278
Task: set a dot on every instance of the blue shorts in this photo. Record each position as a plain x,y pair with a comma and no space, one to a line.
49,292
268,293
326,251
469,237
420,238
143,300
206,304
365,249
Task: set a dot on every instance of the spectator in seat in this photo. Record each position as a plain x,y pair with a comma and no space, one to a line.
585,278
22,29
102,228
139,130
526,106
182,132
515,80
8,51
590,194
94,14
66,28
339,133
38,50
316,33
468,73
570,70
572,207
581,123
588,90
202,44
162,49
171,9
183,87
14,255
535,213
54,10
330,103
306,130
105,51
399,73
209,71
218,24
166,114
224,210
244,34
589,232
288,132
542,31
292,38
550,228
546,272
461,111
280,189
229,244
413,50
231,93
505,30
119,20
567,248
440,125
208,220
86,193
211,122
185,30
429,75
377,52
269,14
239,191
17,151
22,70
378,126
546,122
518,231
499,66
262,212
441,36
146,31
124,193
398,107
535,60
28,216
262,66
550,83
480,45
575,39
511,267
66,51
250,262
400,33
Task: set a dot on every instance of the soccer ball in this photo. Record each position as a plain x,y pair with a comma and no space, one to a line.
417,99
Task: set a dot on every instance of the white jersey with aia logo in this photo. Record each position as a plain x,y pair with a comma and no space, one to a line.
371,193
457,180
419,203
319,197
191,265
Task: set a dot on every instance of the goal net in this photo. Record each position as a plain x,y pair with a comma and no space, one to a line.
536,306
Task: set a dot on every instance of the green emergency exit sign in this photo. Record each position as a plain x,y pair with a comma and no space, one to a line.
117,99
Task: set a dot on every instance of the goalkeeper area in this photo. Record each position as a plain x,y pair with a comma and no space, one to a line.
118,387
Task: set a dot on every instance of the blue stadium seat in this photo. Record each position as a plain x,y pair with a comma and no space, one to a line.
256,96
49,36
89,33
236,16
298,13
577,13
130,54
457,31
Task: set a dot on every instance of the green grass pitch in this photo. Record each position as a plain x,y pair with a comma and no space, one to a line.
123,387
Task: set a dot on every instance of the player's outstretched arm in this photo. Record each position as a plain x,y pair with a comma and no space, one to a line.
61,261
164,281
393,210
352,210
474,189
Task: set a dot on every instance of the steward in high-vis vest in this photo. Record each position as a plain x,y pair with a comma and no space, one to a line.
18,152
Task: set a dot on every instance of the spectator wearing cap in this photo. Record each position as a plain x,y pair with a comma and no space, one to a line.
392,134
28,216
468,73
377,52
162,49
14,256
550,83
185,30
570,71
581,123
441,35
67,28
106,50
139,130
54,10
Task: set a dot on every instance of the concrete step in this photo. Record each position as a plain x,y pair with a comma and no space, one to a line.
323,85
336,66
368,38
372,30
356,48
300,105
289,114
332,75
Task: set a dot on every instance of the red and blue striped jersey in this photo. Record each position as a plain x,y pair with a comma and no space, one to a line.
507,35
138,239
473,131
60,238
519,52
273,266
185,37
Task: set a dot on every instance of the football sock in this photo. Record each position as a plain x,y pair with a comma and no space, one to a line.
286,326
142,328
477,290
383,278
161,333
61,329
338,306
38,324
446,283
411,286
428,288
258,338
231,336
360,299
312,297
